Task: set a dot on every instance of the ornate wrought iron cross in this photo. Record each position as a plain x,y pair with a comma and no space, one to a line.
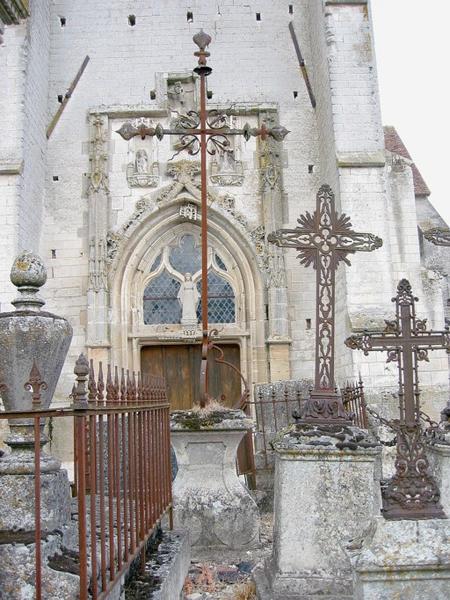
323,240
438,236
203,132
412,493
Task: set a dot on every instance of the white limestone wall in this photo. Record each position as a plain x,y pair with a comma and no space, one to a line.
35,124
24,59
253,61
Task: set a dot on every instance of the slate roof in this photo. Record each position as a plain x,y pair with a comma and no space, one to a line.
393,143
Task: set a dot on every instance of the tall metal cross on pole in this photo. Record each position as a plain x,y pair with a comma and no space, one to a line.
323,240
205,132
412,493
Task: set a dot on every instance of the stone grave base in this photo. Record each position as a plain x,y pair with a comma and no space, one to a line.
326,491
17,501
17,572
439,457
409,560
209,499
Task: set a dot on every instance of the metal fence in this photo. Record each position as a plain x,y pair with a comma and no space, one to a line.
122,470
274,404
354,403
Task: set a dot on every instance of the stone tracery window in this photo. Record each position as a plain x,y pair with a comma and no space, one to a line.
221,304
161,303
160,300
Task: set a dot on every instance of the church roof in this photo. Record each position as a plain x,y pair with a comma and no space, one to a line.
393,142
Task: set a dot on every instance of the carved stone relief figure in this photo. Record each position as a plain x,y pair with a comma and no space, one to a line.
181,92
141,161
225,169
188,298
139,174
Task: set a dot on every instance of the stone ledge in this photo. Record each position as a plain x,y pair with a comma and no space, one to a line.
11,166
171,565
404,559
360,160
338,2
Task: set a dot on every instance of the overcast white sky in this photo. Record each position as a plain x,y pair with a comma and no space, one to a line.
413,57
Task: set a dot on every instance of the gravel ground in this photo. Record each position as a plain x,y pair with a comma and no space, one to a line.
230,579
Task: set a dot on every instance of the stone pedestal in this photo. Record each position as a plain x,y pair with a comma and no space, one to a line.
439,457
408,560
209,499
327,489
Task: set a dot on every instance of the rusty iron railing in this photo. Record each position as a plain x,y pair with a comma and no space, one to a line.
354,403
273,411
122,470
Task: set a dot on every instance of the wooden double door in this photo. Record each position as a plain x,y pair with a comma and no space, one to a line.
180,366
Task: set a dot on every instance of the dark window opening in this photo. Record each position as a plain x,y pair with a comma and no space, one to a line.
189,16
310,168
131,20
60,98
62,21
295,93
291,9
308,323
55,178
258,16
53,253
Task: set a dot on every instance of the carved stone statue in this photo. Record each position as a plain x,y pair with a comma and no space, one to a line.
141,173
226,170
141,161
188,297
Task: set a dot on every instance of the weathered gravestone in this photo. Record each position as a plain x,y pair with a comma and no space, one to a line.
326,471
406,554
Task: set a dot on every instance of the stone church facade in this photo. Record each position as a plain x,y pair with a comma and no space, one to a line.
118,222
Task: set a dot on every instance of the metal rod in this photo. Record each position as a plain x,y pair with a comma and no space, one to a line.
37,507
93,500
66,98
80,424
204,211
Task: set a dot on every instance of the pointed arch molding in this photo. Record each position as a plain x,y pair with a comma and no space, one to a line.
116,253
180,201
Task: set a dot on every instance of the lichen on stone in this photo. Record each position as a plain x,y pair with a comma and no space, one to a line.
215,416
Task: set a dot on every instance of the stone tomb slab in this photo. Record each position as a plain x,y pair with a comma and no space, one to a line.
408,560
323,497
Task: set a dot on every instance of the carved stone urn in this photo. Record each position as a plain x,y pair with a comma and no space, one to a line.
30,339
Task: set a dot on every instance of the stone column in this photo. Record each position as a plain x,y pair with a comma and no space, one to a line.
208,497
272,200
99,208
327,489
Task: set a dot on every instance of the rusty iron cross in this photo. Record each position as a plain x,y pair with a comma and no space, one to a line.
407,342
323,240
438,236
412,493
203,132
